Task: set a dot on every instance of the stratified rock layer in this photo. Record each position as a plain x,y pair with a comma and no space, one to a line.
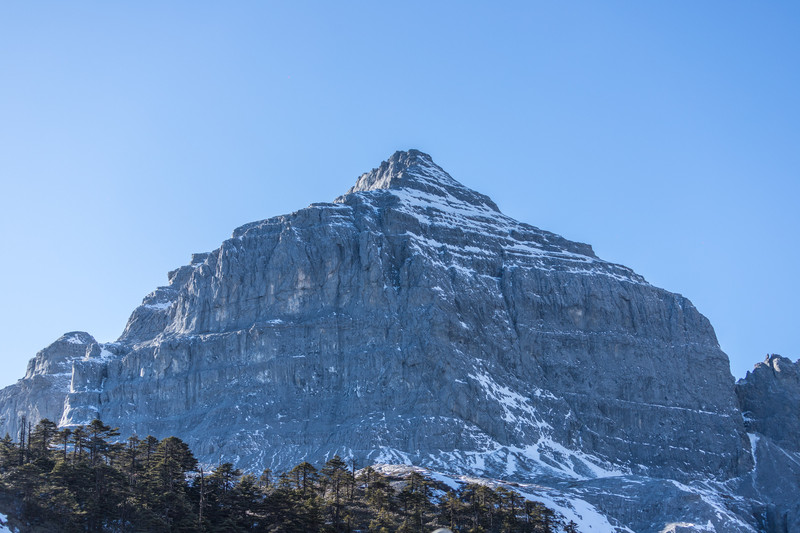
410,321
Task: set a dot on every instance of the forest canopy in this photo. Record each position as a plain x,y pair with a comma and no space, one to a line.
85,478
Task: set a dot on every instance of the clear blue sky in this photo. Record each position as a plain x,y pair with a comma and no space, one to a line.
667,135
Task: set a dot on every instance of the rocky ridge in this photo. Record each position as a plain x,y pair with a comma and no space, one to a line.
410,321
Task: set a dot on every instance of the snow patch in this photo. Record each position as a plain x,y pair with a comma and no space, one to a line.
587,517
104,357
160,306
753,444
673,527
714,500
74,339
446,480
515,406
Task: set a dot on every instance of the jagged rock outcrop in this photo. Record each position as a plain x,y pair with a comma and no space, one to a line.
411,321
40,394
769,396
770,399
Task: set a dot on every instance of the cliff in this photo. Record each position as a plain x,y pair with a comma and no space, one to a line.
410,321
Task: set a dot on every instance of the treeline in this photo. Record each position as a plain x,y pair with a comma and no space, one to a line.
86,479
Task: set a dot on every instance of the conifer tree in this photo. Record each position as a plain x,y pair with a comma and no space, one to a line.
335,479
265,480
43,435
415,502
86,480
22,426
246,501
9,454
164,485
305,477
220,497
79,436
99,443
451,510
130,459
64,439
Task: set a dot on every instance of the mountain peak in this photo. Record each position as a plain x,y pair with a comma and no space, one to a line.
414,169
403,169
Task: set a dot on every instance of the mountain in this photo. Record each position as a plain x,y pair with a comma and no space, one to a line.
410,321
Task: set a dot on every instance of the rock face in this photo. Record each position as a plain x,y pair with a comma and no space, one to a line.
41,393
411,321
770,400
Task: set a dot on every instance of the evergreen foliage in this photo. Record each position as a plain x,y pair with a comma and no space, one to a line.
82,479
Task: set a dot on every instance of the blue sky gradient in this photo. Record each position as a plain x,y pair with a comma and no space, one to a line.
666,135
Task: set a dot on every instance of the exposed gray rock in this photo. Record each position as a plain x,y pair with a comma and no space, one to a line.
410,321
775,484
57,358
770,399
41,393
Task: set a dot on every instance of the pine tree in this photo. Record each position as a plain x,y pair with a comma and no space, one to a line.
200,485
148,450
164,488
246,499
265,480
509,503
378,497
99,443
130,459
9,454
63,501
335,479
283,511
415,502
220,497
64,440
43,436
22,427
79,436
304,477
452,511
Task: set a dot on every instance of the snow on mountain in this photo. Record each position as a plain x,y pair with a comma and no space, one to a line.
410,321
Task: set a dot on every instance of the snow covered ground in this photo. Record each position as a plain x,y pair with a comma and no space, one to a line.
3,524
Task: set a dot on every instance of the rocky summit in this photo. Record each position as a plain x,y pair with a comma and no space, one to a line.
411,322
